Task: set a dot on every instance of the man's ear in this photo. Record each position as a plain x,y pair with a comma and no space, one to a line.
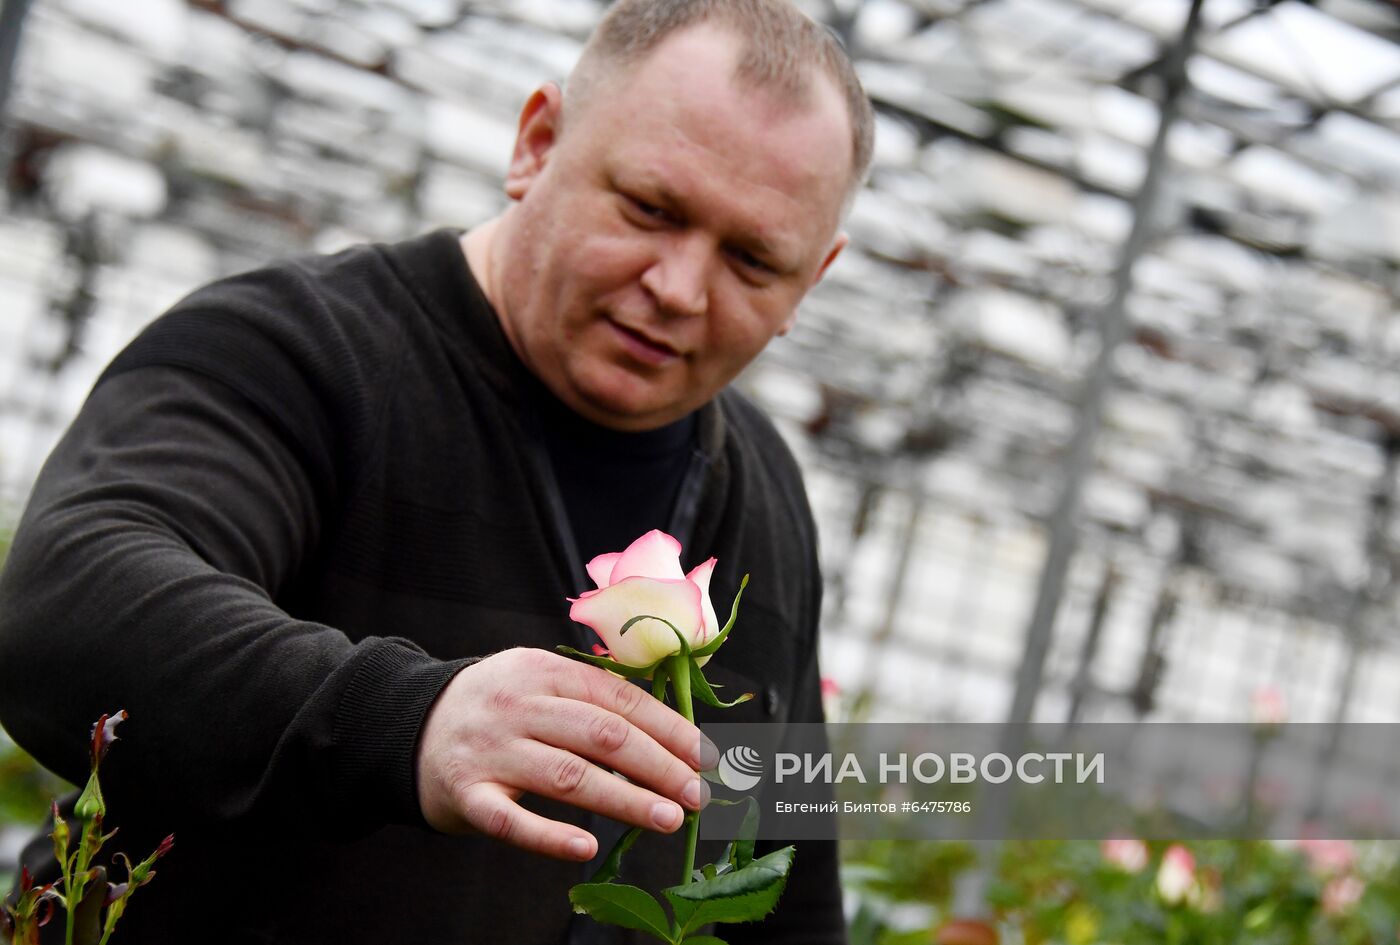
534,138
837,245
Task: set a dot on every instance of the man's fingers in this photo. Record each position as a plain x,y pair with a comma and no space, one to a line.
613,741
491,810
563,776
529,720
666,726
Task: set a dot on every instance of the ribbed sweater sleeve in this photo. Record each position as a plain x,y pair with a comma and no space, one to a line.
193,488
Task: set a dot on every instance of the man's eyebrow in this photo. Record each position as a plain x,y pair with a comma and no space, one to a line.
655,191
666,198
765,249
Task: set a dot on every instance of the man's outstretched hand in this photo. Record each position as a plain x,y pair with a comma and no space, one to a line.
530,720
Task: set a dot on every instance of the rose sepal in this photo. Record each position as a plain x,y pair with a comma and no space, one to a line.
612,666
685,644
720,637
658,682
700,687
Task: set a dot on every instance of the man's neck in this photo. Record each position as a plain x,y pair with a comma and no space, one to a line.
479,247
477,244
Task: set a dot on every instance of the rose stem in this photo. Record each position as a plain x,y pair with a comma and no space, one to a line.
680,680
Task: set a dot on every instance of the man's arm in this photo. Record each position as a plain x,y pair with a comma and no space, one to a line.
144,576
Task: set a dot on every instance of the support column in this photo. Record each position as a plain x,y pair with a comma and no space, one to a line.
1063,527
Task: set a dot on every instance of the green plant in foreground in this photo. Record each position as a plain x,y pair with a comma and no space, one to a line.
91,904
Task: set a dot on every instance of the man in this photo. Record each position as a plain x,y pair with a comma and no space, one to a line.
298,510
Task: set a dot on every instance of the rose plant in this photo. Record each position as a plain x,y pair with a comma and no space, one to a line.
657,622
1217,892
91,904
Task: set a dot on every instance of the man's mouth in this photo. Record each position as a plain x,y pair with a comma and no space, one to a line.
643,347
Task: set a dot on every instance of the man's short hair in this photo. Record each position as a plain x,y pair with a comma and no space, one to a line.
781,46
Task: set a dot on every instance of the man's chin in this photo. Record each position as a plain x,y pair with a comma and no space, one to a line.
626,413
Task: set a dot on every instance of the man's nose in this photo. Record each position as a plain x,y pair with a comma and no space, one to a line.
679,276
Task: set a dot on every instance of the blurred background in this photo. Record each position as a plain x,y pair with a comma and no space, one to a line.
1100,413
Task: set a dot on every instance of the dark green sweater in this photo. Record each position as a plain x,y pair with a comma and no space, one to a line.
289,512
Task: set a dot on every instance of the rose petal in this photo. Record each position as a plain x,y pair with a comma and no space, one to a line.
104,732
600,569
606,611
654,555
700,574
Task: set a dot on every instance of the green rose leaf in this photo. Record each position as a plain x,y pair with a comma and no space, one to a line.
609,870
739,896
704,940
617,904
742,854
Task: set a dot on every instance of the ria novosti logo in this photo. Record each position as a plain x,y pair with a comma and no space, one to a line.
740,768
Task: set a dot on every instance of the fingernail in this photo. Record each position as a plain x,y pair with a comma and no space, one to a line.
666,815
696,794
707,756
580,849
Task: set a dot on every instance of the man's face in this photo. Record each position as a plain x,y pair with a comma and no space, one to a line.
667,231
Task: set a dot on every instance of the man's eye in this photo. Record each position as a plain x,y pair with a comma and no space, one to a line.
649,210
749,261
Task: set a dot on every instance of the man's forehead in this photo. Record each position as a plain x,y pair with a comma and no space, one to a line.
713,54
690,81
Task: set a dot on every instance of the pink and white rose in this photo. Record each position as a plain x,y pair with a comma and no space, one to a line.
1328,857
1342,893
1127,853
647,580
1177,875
1267,706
